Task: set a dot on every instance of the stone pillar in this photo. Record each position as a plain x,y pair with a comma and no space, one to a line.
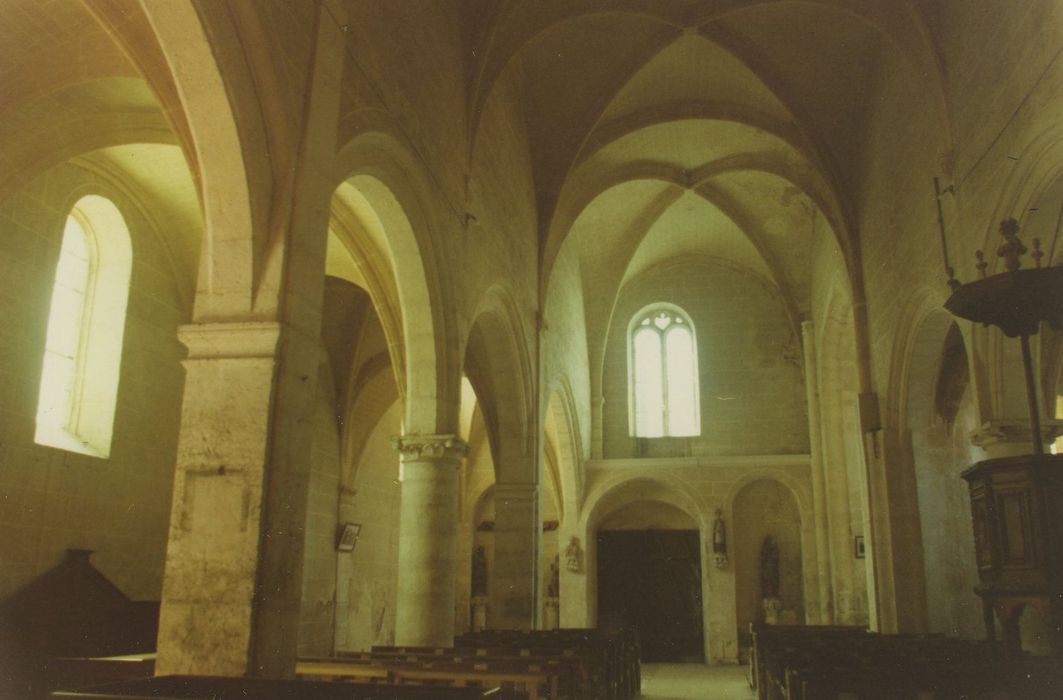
345,573
823,612
231,592
428,539
894,545
515,580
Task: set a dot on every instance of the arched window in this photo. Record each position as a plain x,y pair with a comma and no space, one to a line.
663,374
86,322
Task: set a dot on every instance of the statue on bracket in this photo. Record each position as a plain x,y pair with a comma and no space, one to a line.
769,581
769,568
553,585
574,555
479,572
719,540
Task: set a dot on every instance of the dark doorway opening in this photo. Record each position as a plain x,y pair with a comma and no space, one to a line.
651,580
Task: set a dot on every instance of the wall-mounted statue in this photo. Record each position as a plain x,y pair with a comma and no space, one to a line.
479,572
553,584
769,568
574,555
719,540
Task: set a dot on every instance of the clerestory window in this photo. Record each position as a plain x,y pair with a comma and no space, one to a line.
86,323
663,374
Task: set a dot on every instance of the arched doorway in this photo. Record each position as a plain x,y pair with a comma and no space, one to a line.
649,578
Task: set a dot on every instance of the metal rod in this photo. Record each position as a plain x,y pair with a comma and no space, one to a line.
1031,395
1055,236
941,229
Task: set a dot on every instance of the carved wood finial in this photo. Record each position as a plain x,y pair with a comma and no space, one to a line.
1012,248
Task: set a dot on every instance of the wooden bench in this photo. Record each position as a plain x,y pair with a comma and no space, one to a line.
617,652
836,664
771,636
533,678
581,674
775,649
1027,680
900,655
213,688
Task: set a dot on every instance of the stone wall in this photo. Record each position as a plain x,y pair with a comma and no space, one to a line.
368,576
988,132
50,499
749,362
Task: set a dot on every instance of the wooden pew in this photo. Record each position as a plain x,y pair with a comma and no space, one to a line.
581,674
618,651
534,678
878,657
1025,680
597,678
832,664
213,688
773,639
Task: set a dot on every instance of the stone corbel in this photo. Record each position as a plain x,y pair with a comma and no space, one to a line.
423,447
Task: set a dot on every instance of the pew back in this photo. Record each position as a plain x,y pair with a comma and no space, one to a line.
212,688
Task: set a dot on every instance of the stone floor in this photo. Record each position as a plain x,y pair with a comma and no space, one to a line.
694,682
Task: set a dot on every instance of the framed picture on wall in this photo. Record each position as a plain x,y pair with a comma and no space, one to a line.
858,547
348,536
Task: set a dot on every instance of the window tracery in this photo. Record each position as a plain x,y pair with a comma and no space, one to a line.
663,374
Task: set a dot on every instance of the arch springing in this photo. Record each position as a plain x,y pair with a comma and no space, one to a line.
663,374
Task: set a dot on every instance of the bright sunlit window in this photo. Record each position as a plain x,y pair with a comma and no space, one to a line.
86,322
664,374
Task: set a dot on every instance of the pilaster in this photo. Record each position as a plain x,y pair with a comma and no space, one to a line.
822,611
518,532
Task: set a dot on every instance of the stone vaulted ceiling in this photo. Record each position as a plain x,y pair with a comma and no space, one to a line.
69,92
731,128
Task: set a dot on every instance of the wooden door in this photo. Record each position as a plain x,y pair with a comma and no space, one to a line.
651,580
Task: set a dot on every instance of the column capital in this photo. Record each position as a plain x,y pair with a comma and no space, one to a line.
417,447
1006,438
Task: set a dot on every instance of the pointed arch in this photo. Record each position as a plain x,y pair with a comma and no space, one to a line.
561,422
498,365
235,229
390,178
